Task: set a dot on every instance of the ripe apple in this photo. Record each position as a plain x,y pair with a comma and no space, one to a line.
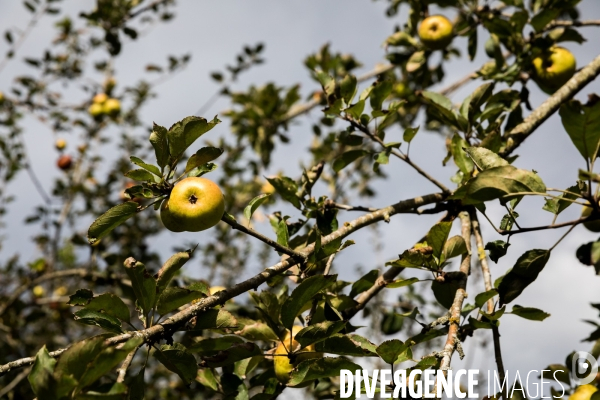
39,291
64,162
583,392
283,364
553,68
60,144
96,110
112,107
195,204
436,32
592,226
100,98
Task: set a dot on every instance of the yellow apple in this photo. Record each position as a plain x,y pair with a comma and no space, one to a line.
553,68
283,364
435,32
112,107
100,98
583,392
60,144
195,204
96,110
38,291
592,226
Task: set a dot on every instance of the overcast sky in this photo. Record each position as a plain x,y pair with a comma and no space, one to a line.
213,32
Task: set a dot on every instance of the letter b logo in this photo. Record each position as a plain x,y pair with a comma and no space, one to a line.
584,368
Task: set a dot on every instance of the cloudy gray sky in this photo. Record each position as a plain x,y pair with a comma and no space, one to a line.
213,32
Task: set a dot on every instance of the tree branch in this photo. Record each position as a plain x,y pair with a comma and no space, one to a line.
485,268
558,23
178,320
522,131
454,321
282,249
122,371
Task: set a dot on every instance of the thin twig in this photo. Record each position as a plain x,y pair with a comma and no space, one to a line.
178,320
81,272
22,375
559,23
282,249
485,267
125,366
498,357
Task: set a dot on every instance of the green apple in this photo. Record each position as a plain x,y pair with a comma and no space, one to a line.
195,204
553,68
592,226
583,392
283,364
435,32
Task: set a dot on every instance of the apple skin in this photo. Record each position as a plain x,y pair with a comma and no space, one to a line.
64,162
100,98
583,392
194,205
60,144
112,107
592,226
553,68
435,32
96,110
283,365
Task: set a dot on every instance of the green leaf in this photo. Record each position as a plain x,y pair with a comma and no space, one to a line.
40,378
233,354
170,269
100,319
347,345
215,319
137,386
416,60
462,161
482,298
258,331
203,156
347,158
287,189
158,138
543,18
301,295
148,167
81,297
318,332
283,235
530,313
445,291
379,93
499,182
253,205
106,360
391,323
110,220
185,132
73,363
348,88
143,284
140,175
207,378
214,345
355,110
364,283
525,271
390,350
484,158
203,169
558,205
454,247
401,38
174,297
437,236
111,305
409,134
325,367
582,123
398,283
497,249
177,359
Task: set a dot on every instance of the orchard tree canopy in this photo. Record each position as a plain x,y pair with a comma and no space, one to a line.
93,310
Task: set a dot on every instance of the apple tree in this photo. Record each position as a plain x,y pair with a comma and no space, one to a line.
96,310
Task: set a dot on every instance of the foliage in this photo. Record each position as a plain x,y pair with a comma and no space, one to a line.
104,293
